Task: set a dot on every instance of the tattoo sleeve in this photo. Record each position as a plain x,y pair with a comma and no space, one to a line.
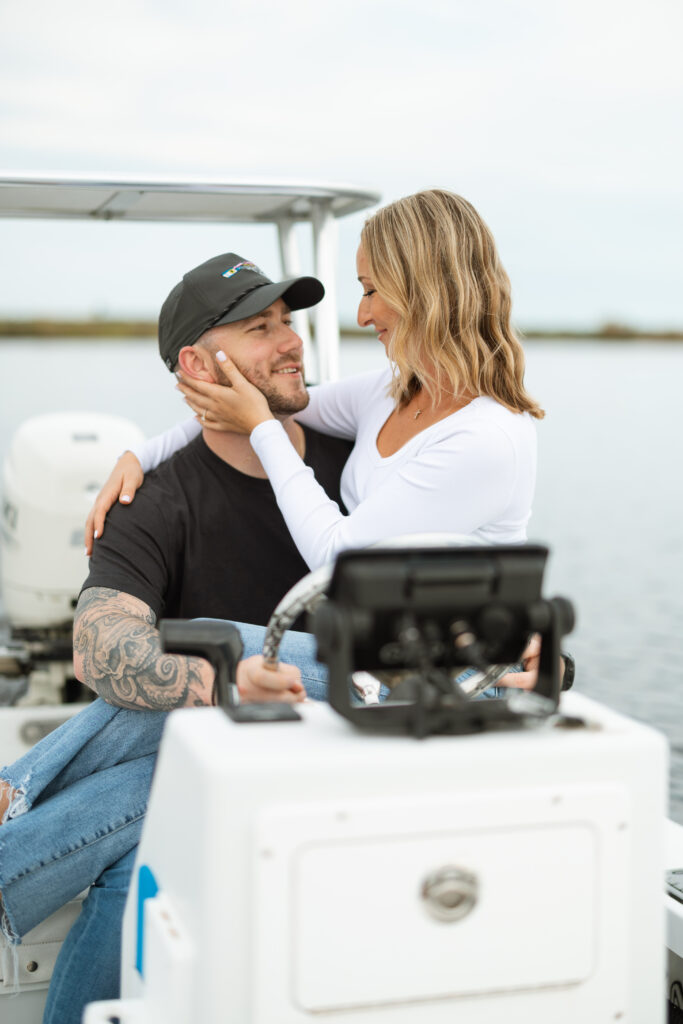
117,653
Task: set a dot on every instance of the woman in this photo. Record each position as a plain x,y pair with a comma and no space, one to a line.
444,442
444,437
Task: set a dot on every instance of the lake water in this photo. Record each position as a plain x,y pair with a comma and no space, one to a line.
609,495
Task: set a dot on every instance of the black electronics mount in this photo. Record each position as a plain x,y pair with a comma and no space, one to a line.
422,614
433,611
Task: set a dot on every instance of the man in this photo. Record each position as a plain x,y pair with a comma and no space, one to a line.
204,537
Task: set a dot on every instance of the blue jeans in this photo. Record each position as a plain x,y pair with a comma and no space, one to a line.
86,786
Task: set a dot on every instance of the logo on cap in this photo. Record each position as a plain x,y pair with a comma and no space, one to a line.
241,266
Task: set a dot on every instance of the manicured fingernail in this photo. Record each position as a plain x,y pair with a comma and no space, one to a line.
221,356
96,534
124,497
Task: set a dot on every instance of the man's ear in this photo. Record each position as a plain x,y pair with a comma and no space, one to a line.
195,362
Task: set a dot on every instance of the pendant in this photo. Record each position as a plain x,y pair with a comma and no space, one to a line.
418,413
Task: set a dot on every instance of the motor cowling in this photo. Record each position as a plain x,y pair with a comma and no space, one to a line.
55,466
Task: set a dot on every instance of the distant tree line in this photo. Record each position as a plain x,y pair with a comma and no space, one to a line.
99,327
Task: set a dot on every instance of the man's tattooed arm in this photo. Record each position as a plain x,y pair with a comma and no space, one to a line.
117,653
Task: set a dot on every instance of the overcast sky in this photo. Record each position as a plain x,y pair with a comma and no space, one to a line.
561,121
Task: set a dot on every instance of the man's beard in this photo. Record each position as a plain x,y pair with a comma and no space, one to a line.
283,405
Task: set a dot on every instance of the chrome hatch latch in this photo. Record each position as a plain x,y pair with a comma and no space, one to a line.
450,893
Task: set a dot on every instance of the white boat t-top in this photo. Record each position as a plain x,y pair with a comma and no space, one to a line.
198,200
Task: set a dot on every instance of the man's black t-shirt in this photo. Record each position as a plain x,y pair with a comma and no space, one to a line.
203,540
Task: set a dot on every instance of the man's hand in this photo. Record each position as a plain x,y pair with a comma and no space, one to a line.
256,683
121,484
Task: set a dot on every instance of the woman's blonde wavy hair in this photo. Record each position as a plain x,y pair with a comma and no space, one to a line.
434,261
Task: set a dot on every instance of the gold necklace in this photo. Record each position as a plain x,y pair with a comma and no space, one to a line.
418,413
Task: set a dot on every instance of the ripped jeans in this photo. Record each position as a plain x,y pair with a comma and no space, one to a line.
86,786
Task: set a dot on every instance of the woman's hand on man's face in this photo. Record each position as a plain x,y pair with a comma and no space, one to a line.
236,406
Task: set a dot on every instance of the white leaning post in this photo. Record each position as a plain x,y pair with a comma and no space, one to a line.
291,267
326,318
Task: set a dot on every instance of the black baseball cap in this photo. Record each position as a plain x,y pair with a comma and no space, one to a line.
223,290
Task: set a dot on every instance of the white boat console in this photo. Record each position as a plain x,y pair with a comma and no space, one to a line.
429,858
300,871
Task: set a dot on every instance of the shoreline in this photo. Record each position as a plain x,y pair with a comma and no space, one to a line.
119,328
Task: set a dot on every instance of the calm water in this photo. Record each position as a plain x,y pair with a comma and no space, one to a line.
609,496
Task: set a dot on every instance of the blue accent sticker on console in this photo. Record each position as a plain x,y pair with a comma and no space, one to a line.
147,888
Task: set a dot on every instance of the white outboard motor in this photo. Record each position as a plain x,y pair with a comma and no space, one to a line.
55,467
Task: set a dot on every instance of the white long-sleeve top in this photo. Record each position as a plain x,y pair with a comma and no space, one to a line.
472,472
